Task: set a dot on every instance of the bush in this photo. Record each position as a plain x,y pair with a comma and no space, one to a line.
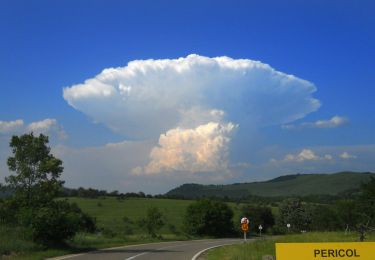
292,211
57,222
153,221
258,215
208,217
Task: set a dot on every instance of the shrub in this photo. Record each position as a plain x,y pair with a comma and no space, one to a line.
57,222
153,221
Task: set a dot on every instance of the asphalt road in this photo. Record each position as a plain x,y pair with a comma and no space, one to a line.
178,250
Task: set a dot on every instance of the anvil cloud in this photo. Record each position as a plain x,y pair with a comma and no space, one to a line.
175,99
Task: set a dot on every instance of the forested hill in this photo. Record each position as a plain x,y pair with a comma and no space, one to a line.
288,185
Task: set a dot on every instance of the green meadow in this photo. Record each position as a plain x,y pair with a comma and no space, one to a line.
109,212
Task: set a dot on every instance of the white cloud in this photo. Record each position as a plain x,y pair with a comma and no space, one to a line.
334,122
47,126
11,126
200,149
346,155
305,155
149,97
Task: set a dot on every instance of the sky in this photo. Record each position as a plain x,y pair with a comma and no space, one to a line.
149,95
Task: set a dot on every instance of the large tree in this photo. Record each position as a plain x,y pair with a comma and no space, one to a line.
36,184
36,180
210,218
292,211
258,215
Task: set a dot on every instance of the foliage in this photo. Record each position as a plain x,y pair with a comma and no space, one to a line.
258,215
36,181
347,213
59,221
293,212
128,226
33,205
153,221
15,239
208,217
367,201
323,218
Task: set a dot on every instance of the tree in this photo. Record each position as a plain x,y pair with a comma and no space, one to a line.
324,217
366,209
258,215
36,185
293,212
347,213
37,171
153,221
367,201
208,217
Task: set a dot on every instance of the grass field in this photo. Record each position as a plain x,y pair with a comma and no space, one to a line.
109,212
255,250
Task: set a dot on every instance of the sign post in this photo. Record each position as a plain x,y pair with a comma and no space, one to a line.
244,227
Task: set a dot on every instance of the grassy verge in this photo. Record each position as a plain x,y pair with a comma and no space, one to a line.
259,248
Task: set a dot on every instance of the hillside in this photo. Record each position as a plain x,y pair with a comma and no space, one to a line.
298,184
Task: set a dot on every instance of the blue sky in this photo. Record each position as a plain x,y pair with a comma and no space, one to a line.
47,46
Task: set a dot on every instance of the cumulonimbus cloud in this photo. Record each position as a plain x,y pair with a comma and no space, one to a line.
171,98
149,97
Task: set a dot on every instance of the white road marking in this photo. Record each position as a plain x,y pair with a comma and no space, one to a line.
154,250
195,257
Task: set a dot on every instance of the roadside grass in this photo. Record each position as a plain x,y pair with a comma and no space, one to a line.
259,248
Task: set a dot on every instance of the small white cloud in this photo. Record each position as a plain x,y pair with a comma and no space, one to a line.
334,122
328,157
200,149
346,155
47,126
305,155
11,126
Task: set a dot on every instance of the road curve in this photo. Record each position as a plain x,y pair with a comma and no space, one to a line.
177,250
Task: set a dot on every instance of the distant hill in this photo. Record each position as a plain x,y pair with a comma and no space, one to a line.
288,185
